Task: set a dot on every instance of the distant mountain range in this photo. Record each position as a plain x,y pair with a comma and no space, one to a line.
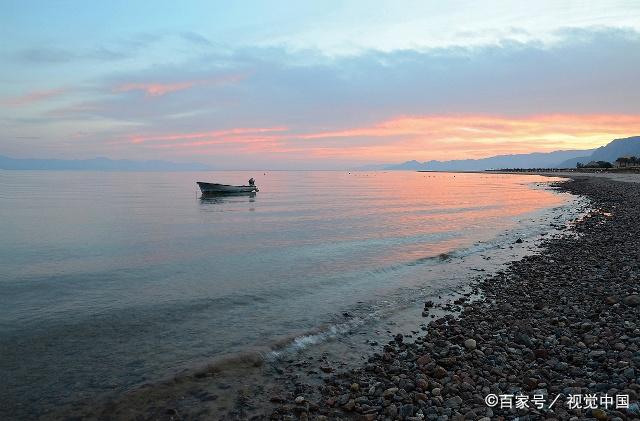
530,160
97,164
557,159
629,146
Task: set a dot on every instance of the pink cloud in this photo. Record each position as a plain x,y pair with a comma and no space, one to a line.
216,134
32,97
163,88
155,89
235,140
473,136
415,137
487,126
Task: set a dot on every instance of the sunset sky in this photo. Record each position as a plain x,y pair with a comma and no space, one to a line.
324,84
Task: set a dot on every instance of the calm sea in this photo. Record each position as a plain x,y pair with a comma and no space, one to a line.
109,280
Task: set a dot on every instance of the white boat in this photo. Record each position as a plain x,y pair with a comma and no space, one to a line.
215,188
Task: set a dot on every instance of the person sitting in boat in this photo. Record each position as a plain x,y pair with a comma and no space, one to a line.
252,182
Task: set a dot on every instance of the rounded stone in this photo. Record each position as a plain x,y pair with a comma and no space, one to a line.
470,344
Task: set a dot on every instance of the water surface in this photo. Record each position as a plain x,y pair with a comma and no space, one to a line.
109,280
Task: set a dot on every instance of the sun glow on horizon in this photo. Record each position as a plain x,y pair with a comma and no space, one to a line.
412,137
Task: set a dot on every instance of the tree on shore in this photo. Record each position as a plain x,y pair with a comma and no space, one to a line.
595,164
628,161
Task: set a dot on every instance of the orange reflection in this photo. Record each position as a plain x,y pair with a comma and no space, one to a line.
417,208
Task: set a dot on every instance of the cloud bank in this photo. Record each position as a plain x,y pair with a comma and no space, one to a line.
271,106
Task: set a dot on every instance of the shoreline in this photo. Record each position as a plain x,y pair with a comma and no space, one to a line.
559,323
395,306
623,176
251,382
247,384
314,384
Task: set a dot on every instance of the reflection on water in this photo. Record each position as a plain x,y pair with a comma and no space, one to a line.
219,198
112,279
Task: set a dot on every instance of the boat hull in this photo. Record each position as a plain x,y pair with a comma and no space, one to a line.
215,188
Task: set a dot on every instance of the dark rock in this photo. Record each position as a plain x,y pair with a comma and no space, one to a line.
611,300
439,372
523,339
453,403
349,405
541,353
424,360
406,410
632,300
422,384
